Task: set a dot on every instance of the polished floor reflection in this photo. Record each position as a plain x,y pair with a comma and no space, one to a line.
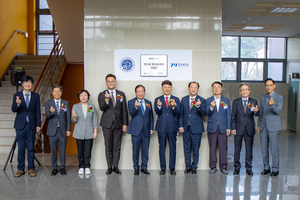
127,186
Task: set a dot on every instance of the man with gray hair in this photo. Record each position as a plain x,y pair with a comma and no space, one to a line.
243,126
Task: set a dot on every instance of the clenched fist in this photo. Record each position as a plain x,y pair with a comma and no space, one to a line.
107,96
173,103
136,104
52,109
18,101
198,103
159,103
271,102
255,109
213,104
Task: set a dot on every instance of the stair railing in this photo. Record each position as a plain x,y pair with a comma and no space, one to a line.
17,31
45,81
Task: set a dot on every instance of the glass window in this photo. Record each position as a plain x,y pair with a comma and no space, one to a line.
276,48
253,47
228,71
45,44
46,23
43,4
275,70
230,47
252,71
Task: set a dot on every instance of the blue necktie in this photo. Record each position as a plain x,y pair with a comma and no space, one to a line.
268,99
57,110
27,105
142,107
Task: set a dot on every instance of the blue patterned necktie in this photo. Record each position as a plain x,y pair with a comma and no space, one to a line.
27,105
57,107
142,107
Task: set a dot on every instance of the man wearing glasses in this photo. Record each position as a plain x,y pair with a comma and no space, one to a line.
114,120
269,126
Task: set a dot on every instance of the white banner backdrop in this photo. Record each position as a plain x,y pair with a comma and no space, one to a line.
149,65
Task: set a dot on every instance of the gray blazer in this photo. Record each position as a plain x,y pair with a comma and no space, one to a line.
269,115
84,127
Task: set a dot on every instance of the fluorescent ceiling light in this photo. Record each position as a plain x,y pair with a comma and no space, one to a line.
284,10
253,28
160,5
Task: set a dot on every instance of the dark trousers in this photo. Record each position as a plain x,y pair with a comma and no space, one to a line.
191,143
61,139
84,148
25,138
238,142
162,139
220,140
113,140
140,142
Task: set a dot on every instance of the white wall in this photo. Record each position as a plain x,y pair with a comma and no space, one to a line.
131,24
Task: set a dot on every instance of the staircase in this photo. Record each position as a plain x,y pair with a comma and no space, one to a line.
33,66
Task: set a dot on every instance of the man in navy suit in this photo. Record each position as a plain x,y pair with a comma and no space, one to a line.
243,126
140,128
28,121
269,126
59,127
167,107
218,127
192,109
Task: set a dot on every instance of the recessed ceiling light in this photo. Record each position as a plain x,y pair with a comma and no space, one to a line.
243,21
284,10
253,28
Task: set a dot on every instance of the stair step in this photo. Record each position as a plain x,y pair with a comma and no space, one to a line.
8,84
7,110
7,140
35,77
11,132
6,149
6,96
30,72
29,62
29,67
7,116
9,90
32,57
6,124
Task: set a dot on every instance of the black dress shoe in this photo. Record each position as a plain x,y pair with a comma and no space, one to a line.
274,173
249,172
265,172
194,171
172,172
187,170
145,171
54,172
63,171
109,171
136,172
236,172
116,170
162,172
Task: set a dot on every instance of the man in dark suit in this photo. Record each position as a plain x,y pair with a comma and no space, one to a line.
192,109
218,127
269,126
28,121
243,126
140,128
59,127
114,120
167,107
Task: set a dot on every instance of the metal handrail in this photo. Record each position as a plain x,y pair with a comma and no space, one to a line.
17,31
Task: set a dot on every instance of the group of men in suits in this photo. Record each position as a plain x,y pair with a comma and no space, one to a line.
172,115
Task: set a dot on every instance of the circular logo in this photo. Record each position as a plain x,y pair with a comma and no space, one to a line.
127,64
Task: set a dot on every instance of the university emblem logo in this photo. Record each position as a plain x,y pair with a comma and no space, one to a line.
127,64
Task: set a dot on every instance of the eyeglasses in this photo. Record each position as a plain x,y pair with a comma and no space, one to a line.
110,81
243,90
269,85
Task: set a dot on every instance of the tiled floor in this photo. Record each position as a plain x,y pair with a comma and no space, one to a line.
127,186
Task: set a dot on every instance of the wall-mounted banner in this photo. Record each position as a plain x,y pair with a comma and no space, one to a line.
148,65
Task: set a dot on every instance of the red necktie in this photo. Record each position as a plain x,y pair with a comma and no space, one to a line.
167,102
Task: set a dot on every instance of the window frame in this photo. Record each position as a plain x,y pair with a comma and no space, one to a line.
265,60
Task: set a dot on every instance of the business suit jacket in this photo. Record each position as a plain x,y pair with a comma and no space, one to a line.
241,121
33,111
63,118
167,117
110,113
138,120
84,127
193,115
269,115
223,116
